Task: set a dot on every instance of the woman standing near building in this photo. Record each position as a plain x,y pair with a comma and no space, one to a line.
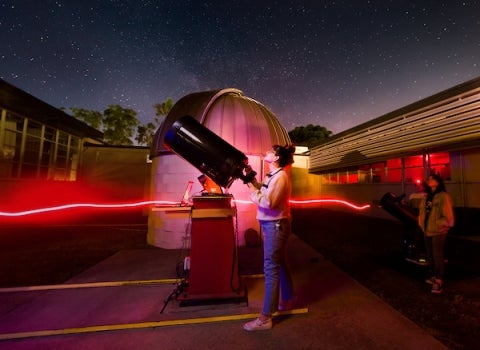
273,200
435,219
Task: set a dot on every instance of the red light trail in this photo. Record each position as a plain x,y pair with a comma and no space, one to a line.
331,201
155,203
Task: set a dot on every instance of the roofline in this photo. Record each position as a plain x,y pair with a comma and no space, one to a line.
447,121
20,102
438,97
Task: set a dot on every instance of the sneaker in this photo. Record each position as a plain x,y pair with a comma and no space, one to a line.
430,280
258,325
437,286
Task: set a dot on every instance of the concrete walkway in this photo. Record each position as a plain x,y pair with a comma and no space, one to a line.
103,309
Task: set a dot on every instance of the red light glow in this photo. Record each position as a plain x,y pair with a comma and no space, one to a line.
162,203
331,201
86,205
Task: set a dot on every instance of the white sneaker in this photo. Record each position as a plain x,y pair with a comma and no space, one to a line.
430,280
258,325
437,286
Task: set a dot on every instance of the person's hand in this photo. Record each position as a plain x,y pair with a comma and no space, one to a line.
249,175
444,229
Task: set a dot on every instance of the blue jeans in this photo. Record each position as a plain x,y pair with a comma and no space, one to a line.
278,277
435,249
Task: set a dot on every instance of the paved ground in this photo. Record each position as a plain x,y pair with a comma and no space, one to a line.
370,250
339,314
342,313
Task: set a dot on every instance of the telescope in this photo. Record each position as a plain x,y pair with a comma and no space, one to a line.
208,152
403,212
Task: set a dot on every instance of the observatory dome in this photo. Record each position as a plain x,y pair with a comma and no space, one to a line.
241,121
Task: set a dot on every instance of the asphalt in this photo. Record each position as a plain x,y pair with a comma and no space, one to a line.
118,304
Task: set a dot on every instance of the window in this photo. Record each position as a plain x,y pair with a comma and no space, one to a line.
29,149
392,169
364,174
348,177
10,145
439,163
414,171
378,172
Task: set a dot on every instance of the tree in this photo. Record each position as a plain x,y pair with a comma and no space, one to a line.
92,118
145,132
119,125
310,135
163,108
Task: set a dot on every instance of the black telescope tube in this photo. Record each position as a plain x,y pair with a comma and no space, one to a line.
401,211
206,151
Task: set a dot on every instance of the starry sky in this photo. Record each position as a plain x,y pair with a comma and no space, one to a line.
331,63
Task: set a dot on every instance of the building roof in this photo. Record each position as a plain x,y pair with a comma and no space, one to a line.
449,120
241,121
19,102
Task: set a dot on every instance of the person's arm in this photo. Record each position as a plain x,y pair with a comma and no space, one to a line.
421,214
271,196
448,217
257,185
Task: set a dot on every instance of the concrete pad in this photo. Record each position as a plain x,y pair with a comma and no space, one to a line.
339,313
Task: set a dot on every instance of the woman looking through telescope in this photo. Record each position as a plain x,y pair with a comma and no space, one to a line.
272,197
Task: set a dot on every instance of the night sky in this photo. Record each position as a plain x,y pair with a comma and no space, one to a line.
330,63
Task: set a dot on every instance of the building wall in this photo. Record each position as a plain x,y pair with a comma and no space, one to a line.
464,187
466,172
307,186
122,172
39,163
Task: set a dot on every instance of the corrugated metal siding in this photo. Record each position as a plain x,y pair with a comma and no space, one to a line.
447,121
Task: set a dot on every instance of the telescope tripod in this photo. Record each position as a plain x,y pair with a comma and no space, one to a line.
179,288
